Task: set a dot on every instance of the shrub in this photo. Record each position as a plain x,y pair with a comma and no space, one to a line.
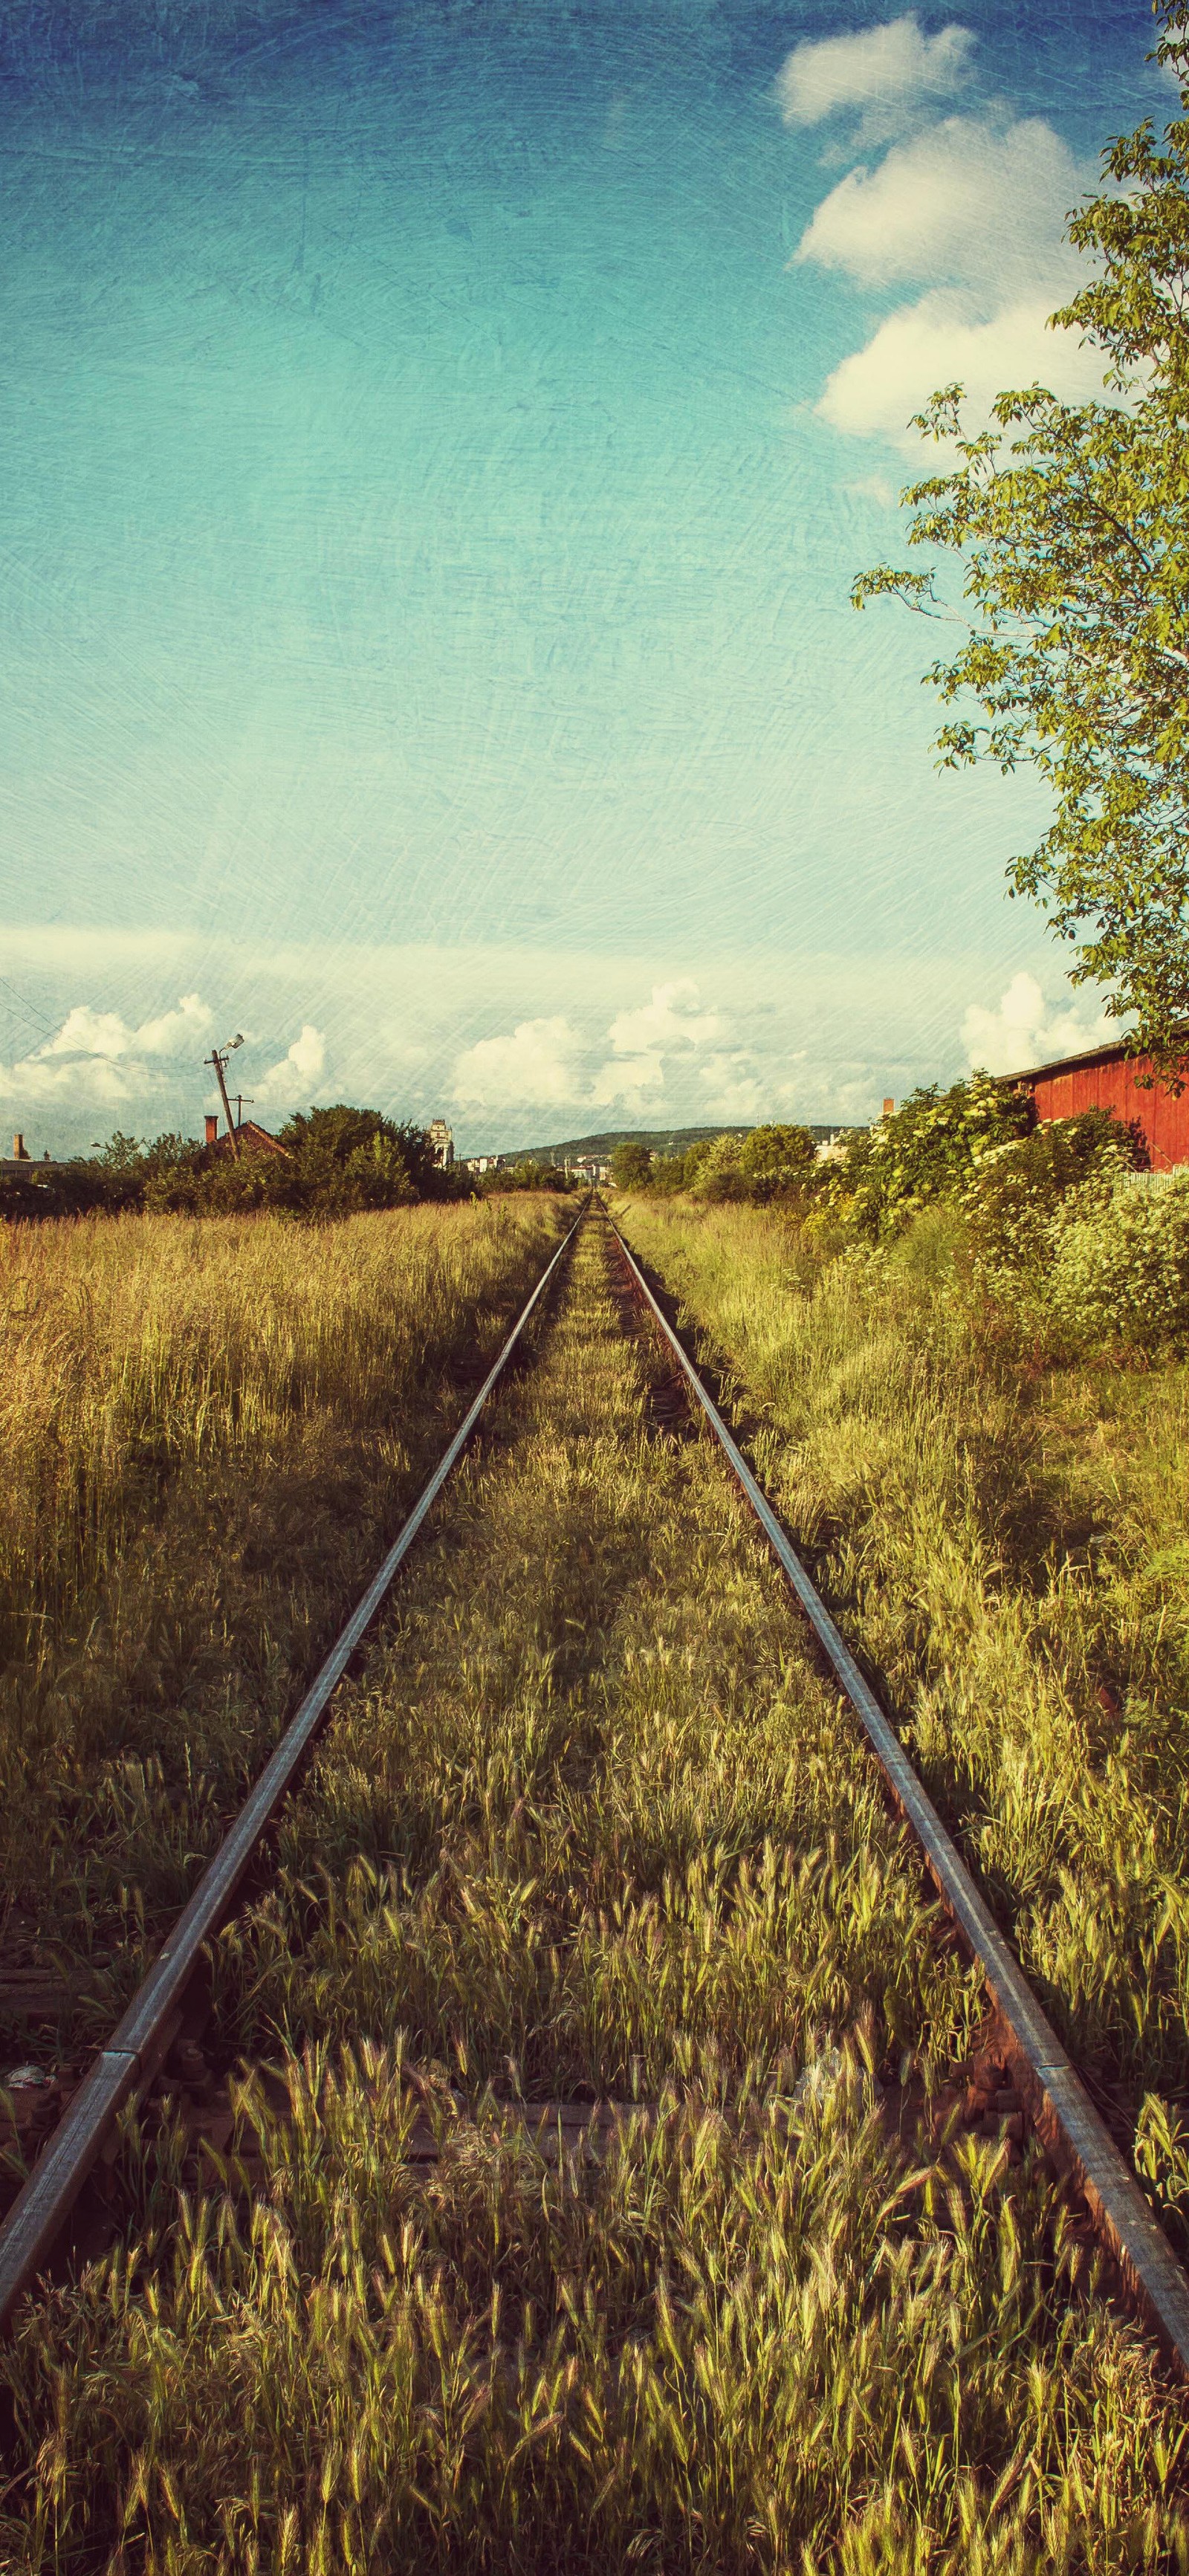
337,1162
1014,1194
527,1174
928,1150
343,1160
1120,1270
668,1175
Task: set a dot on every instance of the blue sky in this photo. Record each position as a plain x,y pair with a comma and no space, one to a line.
439,444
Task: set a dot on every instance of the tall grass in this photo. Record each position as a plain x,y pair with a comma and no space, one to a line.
591,1822
1006,1539
205,1429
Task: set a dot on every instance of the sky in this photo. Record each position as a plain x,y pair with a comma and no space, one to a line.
440,438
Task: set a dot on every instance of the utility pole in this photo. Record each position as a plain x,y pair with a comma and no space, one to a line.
218,1058
240,1098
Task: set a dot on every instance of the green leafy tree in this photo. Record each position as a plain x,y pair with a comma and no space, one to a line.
631,1165
669,1174
777,1162
1074,534
342,1159
716,1174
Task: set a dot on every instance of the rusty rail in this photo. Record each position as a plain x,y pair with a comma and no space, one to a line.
141,2041
1070,2128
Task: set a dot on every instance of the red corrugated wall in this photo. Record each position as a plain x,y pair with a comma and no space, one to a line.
1109,1082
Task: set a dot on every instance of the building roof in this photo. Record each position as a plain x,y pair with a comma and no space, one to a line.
1113,1053
256,1138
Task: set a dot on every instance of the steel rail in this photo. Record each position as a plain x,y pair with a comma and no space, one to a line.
144,2036
1062,2112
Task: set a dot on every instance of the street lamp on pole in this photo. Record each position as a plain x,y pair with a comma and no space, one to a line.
218,1059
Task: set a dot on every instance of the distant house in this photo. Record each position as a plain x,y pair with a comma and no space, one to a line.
441,1144
250,1137
1108,1077
21,1160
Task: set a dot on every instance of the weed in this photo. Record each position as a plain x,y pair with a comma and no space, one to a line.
591,1822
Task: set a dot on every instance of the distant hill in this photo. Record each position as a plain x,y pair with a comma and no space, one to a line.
659,1140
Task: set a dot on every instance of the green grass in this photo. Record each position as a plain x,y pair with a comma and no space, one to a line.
1006,1538
590,1824
208,1431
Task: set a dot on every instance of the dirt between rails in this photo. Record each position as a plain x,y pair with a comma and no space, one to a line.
978,2097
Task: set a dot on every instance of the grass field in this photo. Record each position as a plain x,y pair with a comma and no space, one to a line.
207,1430
1007,1540
591,1824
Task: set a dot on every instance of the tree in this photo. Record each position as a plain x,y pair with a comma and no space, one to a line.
1074,534
631,1164
713,1172
344,1159
777,1161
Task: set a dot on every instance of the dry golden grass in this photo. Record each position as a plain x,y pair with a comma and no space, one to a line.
1007,1539
590,1820
207,1431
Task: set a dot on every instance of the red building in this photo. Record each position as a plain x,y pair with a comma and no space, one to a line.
1109,1078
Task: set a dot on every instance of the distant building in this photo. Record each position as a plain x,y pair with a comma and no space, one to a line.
441,1144
250,1137
21,1162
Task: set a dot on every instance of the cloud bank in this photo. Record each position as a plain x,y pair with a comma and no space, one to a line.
97,1060
547,1063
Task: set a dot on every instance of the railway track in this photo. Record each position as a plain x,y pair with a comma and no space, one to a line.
1031,2085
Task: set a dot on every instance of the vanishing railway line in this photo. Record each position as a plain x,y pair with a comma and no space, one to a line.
1037,2086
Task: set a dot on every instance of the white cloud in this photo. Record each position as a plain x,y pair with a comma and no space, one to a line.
631,1082
85,1082
962,203
732,1090
547,1061
881,67
974,210
85,1032
535,1064
96,1060
935,342
88,1032
671,1018
298,1073
176,1031
1023,1031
